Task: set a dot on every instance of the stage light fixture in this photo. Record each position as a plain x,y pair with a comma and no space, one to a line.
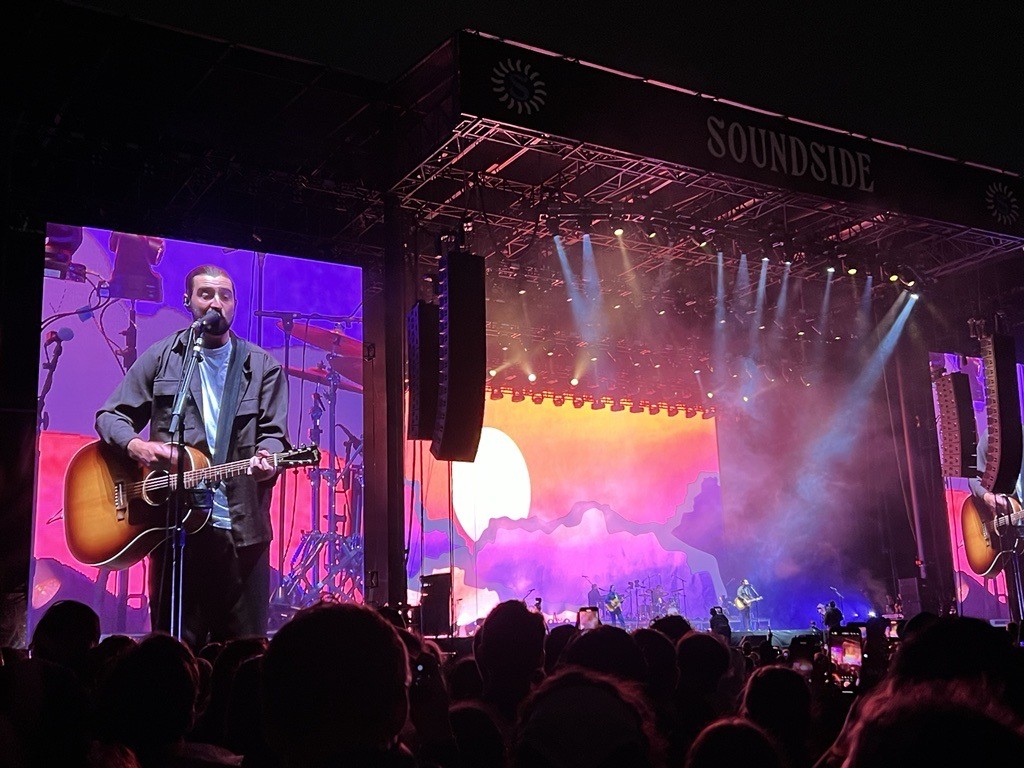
654,409
493,372
577,402
691,411
597,405
709,413
618,231
538,398
558,400
573,381
532,377
636,408
517,396
496,394
672,411
617,405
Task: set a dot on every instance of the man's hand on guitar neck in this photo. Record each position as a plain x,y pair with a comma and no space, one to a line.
260,466
150,453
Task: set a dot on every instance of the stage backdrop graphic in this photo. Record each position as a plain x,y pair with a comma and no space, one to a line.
92,329
560,499
976,596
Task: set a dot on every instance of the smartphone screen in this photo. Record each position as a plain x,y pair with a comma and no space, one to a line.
588,617
846,655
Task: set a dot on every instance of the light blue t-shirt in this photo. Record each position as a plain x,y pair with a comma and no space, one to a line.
213,371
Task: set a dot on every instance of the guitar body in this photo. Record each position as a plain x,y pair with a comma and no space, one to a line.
982,542
107,526
742,604
613,604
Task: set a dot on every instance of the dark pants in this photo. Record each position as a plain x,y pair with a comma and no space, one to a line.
226,589
745,618
617,618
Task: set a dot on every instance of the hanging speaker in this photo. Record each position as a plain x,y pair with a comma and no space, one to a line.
462,346
423,362
958,433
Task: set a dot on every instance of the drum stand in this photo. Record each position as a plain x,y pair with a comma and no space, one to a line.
340,555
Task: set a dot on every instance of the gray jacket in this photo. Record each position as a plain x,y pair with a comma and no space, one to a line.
146,395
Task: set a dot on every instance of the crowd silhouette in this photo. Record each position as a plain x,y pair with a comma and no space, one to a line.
342,684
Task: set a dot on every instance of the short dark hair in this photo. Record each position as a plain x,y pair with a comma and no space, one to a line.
206,269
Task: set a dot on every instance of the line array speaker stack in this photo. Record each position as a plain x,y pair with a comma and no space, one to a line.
1005,443
958,433
422,357
462,346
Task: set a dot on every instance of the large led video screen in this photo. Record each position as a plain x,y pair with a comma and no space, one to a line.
563,505
107,297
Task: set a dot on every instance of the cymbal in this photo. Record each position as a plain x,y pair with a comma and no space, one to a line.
332,340
318,375
349,367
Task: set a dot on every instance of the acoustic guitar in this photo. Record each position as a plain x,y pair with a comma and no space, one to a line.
742,603
612,603
116,510
982,542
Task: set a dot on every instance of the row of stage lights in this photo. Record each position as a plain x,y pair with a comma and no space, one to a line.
599,403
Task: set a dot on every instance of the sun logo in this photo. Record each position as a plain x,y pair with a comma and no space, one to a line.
1002,203
518,86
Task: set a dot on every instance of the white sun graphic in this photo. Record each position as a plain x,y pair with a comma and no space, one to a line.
518,86
1002,203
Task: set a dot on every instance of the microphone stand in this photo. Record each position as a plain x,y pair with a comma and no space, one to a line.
177,430
42,419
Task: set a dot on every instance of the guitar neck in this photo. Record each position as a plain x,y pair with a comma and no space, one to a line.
217,473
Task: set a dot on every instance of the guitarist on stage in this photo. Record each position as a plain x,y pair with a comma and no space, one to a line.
237,410
613,604
746,595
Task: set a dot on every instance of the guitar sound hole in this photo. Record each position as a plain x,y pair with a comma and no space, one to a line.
156,487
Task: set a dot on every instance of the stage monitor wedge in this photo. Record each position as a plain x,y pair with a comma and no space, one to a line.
463,357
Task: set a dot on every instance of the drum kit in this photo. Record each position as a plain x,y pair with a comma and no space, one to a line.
329,557
652,602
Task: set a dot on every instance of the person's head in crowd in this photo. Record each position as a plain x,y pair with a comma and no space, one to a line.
922,725
102,659
147,702
44,719
961,648
607,649
463,679
918,622
555,643
778,699
702,659
65,634
480,740
230,657
350,668
673,626
732,742
509,651
394,616
659,657
579,717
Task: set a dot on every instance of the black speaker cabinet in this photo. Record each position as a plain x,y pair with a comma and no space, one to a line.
435,604
463,357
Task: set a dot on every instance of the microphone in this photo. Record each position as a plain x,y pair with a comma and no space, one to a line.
59,336
355,440
207,321
319,401
528,594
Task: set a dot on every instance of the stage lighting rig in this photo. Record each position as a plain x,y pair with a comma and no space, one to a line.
61,243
